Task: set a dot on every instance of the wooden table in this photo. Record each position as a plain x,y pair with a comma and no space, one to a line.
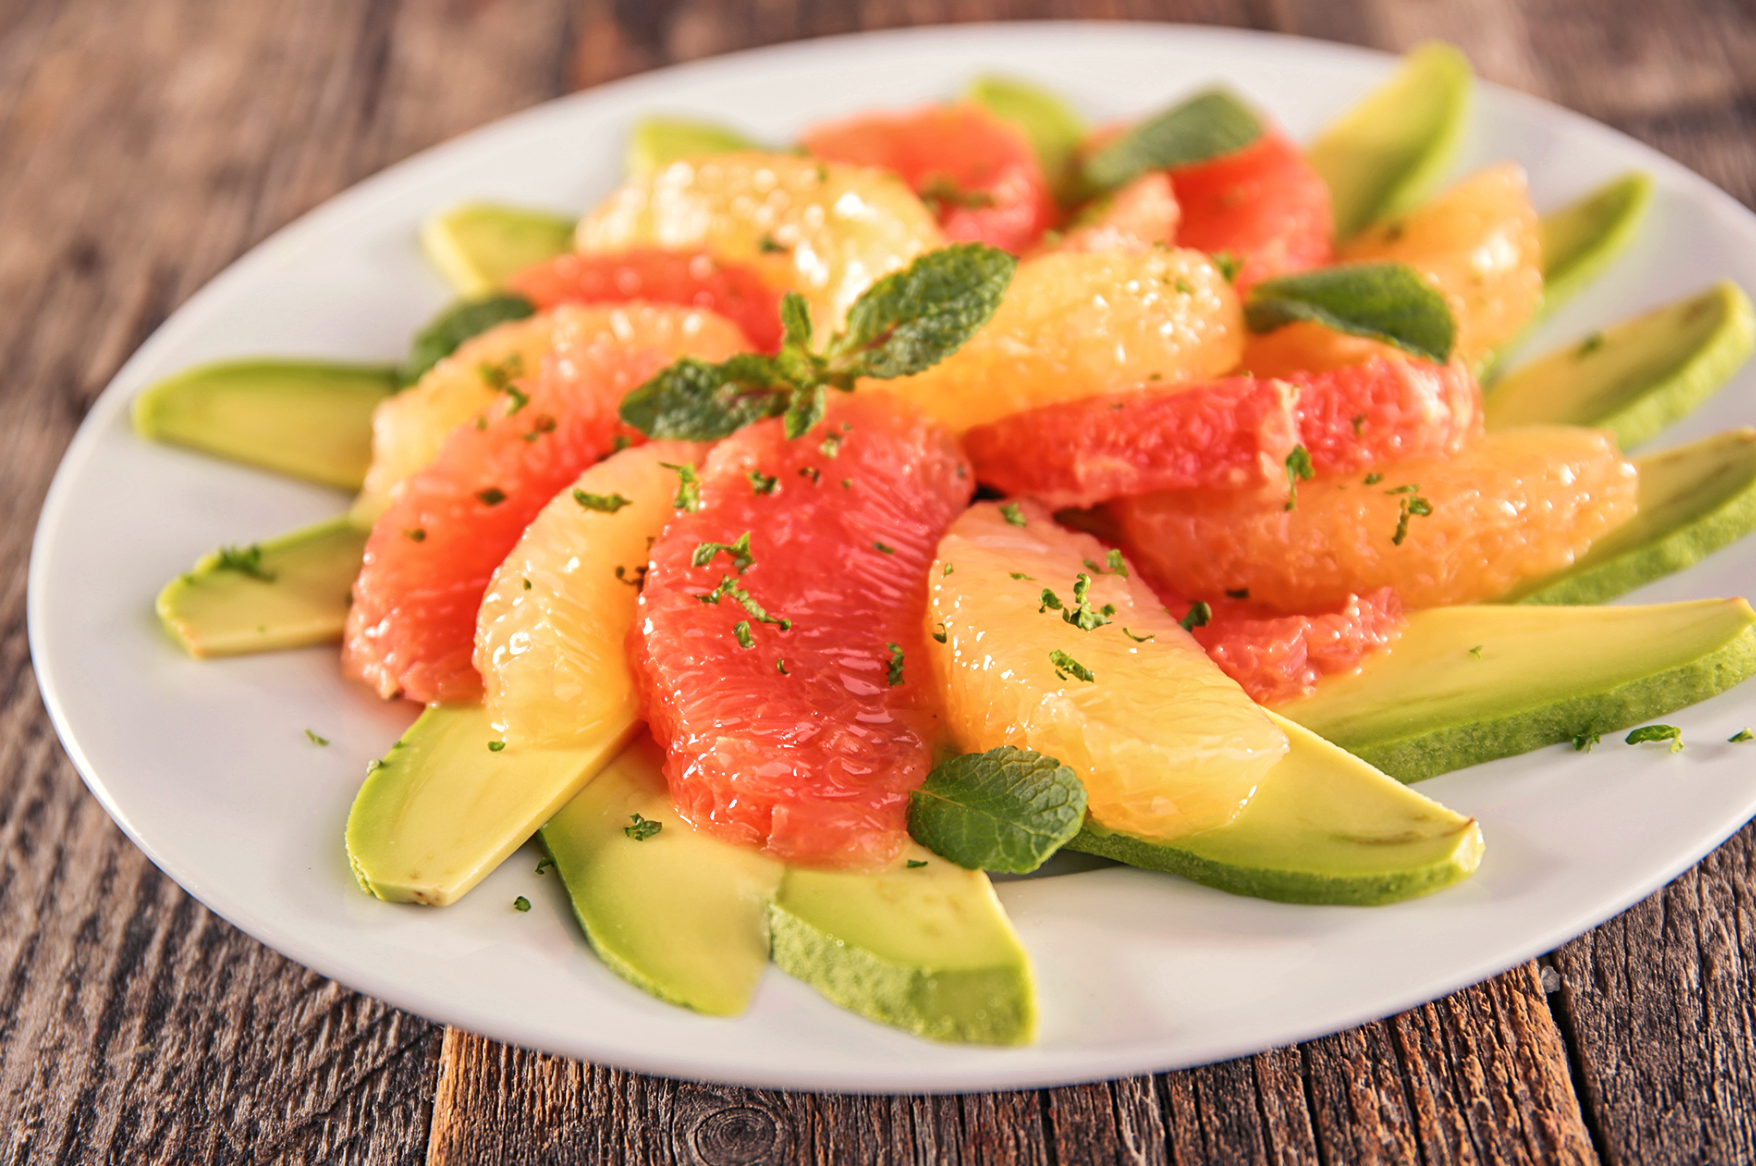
148,143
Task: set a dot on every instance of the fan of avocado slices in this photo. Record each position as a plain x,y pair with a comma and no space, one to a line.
926,947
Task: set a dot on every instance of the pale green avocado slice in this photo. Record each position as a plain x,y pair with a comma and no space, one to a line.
1388,152
659,141
677,913
286,592
442,810
477,245
1694,499
926,949
1052,126
1636,377
306,418
1323,827
1465,685
1580,239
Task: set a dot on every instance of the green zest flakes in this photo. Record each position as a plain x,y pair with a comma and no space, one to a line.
601,503
243,560
1007,809
640,829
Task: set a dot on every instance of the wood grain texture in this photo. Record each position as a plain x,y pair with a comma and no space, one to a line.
146,143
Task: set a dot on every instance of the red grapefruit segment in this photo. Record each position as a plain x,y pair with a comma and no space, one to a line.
1264,204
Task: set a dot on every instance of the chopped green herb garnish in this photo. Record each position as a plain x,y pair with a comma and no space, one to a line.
939,634
1066,665
1359,423
847,483
729,586
243,560
602,503
315,739
620,443
1013,514
812,472
1240,593
1413,505
492,496
521,904
767,245
496,746
1135,638
947,569
1081,614
637,580
1185,286
915,864
640,829
527,584
543,424
1477,651
763,483
741,629
458,323
417,535
1228,263
1021,575
1374,479
1200,615
1591,344
499,377
1584,741
831,445
940,194
1657,733
780,666
1116,564
1740,737
894,673
882,549
688,488
1007,809
544,864
1299,469
739,552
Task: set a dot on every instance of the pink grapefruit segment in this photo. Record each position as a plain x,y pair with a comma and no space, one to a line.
1263,204
1389,409
803,737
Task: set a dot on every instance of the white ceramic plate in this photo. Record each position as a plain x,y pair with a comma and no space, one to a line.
207,766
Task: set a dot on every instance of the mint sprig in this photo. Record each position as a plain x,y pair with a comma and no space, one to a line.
1382,301
906,322
1007,809
1207,125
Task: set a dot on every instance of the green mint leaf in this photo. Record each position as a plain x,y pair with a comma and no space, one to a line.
1199,617
601,503
1007,809
457,323
762,483
1657,733
804,411
243,560
795,319
912,319
1205,126
693,400
1065,663
1383,301
739,551
640,829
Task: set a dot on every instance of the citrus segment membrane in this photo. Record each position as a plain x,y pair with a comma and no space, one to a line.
780,644
1276,658
552,631
1165,743
411,629
1263,204
1388,409
1513,506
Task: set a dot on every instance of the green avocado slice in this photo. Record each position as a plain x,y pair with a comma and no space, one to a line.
442,809
310,419
927,949
1323,827
1694,499
1465,685
1052,126
286,592
658,141
1386,153
676,912
1580,239
477,245
1637,377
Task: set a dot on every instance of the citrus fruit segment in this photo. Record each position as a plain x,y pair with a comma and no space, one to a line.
1137,216
786,675
409,428
694,279
1074,325
822,229
1229,433
1052,126
552,631
1389,409
1478,244
411,629
1513,506
977,173
1276,658
1165,743
1263,204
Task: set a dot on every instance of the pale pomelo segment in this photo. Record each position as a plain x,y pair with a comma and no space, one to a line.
814,763
552,632
1140,215
408,428
411,629
1075,325
979,174
1276,658
1479,244
1510,507
822,229
1230,433
1306,347
1264,204
1165,743
1387,410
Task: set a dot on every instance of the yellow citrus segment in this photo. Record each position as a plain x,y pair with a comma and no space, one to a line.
1479,244
822,229
1513,506
1076,324
408,429
1165,742
553,627
1140,214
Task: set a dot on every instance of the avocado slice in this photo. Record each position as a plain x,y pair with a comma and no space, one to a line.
1465,685
1052,126
1580,239
477,245
1323,827
1637,377
310,419
1694,499
677,913
1386,153
442,809
286,592
658,141
927,949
